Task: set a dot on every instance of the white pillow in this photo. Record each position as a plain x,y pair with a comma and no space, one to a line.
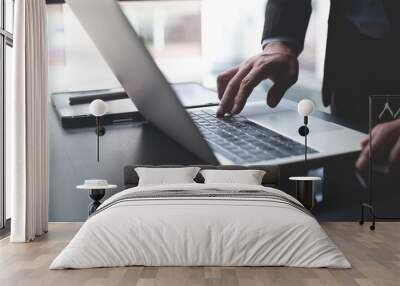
248,177
164,176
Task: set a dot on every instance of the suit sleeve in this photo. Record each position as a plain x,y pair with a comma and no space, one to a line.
287,19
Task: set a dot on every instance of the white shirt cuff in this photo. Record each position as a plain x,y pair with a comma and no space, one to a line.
293,44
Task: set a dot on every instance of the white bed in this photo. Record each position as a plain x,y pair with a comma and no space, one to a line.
183,230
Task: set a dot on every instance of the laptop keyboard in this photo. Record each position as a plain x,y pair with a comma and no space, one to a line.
241,140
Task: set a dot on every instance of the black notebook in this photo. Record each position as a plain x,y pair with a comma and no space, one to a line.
73,107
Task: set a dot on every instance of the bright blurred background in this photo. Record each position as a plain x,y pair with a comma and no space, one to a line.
191,41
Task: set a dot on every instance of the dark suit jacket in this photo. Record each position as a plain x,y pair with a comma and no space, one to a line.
289,19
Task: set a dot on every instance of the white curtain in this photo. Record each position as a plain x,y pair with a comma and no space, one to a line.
26,123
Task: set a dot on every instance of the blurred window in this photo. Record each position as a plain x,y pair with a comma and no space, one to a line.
189,40
6,43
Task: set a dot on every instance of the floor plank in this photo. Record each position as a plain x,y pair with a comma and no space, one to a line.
375,257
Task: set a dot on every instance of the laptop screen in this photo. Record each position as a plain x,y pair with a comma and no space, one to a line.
137,72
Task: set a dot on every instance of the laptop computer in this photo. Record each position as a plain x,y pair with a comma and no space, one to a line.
259,135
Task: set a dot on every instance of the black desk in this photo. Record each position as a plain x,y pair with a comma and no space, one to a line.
73,159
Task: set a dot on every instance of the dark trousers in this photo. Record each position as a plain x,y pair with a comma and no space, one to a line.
357,66
360,66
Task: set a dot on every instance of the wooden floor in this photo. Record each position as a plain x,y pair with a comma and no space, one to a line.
375,257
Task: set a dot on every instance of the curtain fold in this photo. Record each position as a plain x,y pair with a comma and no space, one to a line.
26,123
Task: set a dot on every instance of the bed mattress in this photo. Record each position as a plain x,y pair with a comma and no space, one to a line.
201,225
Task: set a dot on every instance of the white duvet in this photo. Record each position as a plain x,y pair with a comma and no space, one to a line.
200,231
